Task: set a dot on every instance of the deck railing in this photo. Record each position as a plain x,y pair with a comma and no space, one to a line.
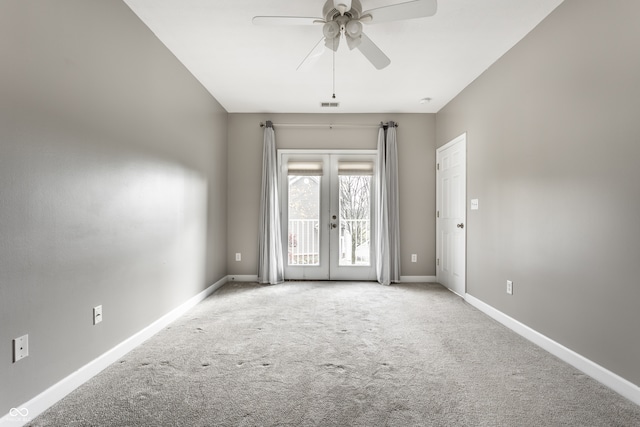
355,234
304,242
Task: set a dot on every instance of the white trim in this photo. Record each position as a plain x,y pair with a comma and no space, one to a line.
417,279
243,278
597,372
335,151
461,137
56,392
403,279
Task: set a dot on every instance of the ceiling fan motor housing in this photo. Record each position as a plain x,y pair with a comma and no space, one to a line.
330,12
342,5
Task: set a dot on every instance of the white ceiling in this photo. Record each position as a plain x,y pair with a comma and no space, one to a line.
252,69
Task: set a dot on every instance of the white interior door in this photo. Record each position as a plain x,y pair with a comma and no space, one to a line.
451,214
327,214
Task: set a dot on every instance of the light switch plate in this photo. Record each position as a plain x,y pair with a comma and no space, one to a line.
474,204
20,348
97,314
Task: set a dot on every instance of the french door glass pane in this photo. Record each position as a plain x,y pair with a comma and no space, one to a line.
304,220
355,219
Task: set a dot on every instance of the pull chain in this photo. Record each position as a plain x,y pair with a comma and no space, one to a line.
334,69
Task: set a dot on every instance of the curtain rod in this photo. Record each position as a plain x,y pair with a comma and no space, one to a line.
329,125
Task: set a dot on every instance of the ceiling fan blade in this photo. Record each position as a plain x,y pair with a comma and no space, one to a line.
312,56
397,12
286,20
373,52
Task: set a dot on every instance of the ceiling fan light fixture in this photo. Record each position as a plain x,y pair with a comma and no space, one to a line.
331,30
353,28
353,33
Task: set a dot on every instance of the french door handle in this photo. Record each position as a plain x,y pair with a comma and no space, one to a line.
333,225
461,225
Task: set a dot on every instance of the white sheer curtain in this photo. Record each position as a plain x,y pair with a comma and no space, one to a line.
388,217
270,259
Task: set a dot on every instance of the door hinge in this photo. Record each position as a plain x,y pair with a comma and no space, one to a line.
437,261
437,166
437,214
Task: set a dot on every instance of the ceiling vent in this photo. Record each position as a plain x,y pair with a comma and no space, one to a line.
329,104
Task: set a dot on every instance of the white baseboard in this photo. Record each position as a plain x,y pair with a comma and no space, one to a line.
417,279
403,279
28,411
595,371
242,278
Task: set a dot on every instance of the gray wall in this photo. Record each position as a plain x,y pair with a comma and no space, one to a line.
112,185
553,140
416,158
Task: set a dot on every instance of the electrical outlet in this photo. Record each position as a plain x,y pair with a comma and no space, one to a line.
509,287
97,314
238,256
20,348
414,257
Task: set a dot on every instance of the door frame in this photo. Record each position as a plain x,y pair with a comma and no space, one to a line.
333,272
461,139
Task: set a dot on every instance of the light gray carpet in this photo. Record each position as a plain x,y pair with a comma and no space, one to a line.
339,354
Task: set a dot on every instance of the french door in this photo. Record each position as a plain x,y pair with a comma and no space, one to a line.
327,214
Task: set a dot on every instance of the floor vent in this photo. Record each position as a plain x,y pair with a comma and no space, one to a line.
329,104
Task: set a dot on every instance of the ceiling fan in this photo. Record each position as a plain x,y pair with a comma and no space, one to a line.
344,18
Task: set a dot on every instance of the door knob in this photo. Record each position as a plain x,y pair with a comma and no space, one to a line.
461,225
334,225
